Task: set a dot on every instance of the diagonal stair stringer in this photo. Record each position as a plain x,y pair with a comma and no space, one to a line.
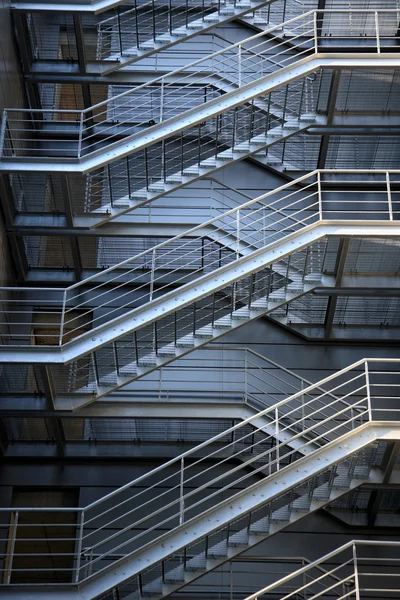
213,519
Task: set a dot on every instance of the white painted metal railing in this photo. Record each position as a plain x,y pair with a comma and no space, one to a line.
172,494
58,316
357,570
27,133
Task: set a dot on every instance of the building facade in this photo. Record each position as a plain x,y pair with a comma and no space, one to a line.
199,326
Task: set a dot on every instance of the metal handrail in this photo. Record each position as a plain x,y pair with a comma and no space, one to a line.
353,386
87,128
250,227
353,579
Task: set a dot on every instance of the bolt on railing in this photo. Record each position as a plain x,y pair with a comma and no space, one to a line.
345,572
118,524
230,237
125,115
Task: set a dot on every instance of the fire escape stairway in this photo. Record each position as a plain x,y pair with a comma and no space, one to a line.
169,134
158,305
186,517
342,573
151,27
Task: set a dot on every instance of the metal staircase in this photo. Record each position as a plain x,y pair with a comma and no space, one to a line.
149,27
169,133
166,301
345,572
186,517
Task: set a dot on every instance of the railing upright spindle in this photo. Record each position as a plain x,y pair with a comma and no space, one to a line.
315,32
119,31
245,375
378,40
153,12
80,135
162,100
137,25
62,321
319,195
3,132
12,548
277,449
368,389
356,574
79,549
181,493
389,195
239,54
153,265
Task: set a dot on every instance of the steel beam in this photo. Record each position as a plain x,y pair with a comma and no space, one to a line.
81,6
333,91
216,517
204,112
338,273
53,225
389,461
67,198
192,292
340,333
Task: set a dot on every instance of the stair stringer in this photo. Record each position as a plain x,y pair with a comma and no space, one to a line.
175,125
194,291
213,519
183,33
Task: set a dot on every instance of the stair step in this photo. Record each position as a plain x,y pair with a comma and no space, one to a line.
168,350
193,170
240,538
219,550
322,492
223,322
260,304
176,575
204,332
241,313
185,342
197,563
342,482
139,195
302,504
260,527
281,515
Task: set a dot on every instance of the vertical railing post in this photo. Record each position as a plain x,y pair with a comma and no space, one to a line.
162,101
79,549
62,321
378,41
316,32
80,135
160,383
319,195
137,25
12,548
303,414
277,457
119,31
3,133
181,493
389,195
237,234
356,580
245,376
153,265
368,389
239,64
154,20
